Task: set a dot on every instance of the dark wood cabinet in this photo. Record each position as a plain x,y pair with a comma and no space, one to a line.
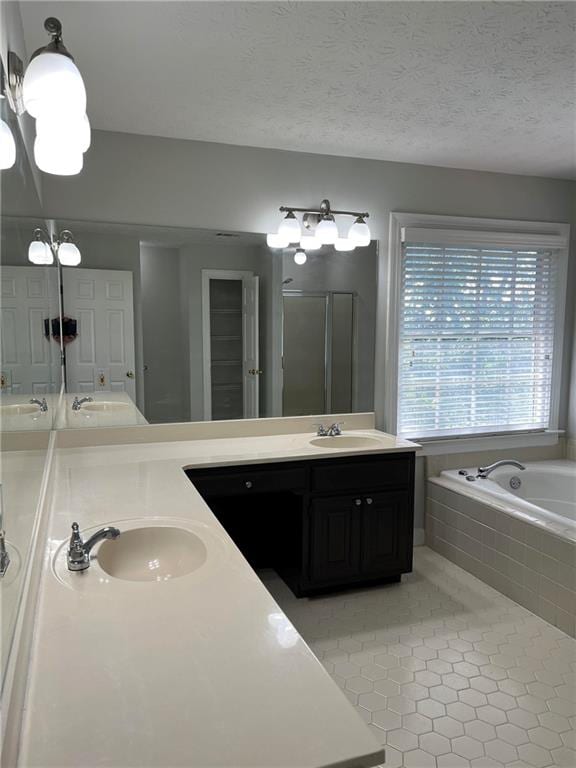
322,524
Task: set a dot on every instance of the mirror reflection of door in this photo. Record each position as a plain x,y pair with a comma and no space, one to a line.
230,341
101,358
30,359
317,353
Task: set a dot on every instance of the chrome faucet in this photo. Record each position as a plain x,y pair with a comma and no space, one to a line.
483,472
335,429
4,556
78,403
41,403
79,551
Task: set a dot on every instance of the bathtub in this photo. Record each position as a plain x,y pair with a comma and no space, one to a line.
515,530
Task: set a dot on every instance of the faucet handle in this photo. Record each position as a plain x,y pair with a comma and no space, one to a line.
336,428
321,430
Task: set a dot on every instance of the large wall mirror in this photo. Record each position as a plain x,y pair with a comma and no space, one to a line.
171,325
29,381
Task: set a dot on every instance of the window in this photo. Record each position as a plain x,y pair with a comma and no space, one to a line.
479,315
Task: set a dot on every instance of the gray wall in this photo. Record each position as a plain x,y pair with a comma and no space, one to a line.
356,272
166,391
142,179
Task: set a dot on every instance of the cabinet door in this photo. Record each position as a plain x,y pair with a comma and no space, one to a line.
386,532
335,545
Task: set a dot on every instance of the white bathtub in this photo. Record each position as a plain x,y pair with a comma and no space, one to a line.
521,541
546,495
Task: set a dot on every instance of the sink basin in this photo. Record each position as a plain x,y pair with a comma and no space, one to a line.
19,409
104,405
155,553
346,441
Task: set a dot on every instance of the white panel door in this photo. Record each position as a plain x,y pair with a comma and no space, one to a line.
101,358
30,360
250,323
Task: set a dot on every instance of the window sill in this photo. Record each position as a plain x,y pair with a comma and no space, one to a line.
469,444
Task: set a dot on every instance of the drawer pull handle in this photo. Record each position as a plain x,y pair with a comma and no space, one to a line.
357,502
248,483
368,500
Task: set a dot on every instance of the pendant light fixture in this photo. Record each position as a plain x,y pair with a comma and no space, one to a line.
300,256
7,143
39,252
319,228
52,91
68,252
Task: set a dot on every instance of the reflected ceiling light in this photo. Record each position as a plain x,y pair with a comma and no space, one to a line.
7,143
42,249
359,232
39,251
300,256
7,147
276,241
319,228
310,243
68,252
289,228
344,244
53,92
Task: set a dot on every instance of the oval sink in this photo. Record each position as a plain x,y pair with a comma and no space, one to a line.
104,405
346,441
19,409
155,553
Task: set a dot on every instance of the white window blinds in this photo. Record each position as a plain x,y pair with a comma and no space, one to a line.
476,339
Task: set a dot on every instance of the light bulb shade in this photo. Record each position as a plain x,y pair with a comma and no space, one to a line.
359,232
7,147
65,131
53,84
327,231
40,253
300,256
289,228
57,158
276,241
69,255
310,243
344,244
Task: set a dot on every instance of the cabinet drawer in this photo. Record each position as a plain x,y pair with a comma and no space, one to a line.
249,481
376,473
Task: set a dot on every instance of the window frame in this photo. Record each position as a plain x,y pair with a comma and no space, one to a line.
502,229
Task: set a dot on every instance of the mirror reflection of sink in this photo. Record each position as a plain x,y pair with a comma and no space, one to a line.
153,553
346,441
104,405
19,409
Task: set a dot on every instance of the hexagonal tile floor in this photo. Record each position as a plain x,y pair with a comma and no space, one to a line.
447,672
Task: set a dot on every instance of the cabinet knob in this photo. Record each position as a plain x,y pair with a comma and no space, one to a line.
368,500
357,502
248,483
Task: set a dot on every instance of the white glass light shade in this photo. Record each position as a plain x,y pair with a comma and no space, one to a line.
69,255
327,231
289,229
57,158
53,84
7,147
344,244
40,253
310,243
300,256
64,130
276,241
359,233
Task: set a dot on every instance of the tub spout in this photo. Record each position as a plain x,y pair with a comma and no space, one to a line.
484,472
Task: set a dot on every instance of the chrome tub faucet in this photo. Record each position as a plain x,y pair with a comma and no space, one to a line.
78,556
78,403
484,472
42,404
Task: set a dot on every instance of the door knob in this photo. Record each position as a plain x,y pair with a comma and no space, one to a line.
357,502
130,374
255,371
368,500
248,484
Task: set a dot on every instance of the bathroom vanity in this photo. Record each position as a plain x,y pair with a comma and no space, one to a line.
323,523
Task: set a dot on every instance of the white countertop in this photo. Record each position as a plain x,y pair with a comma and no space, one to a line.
204,670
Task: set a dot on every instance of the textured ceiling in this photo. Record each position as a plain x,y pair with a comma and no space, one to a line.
479,85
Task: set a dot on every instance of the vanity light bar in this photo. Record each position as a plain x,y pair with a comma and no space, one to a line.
322,227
